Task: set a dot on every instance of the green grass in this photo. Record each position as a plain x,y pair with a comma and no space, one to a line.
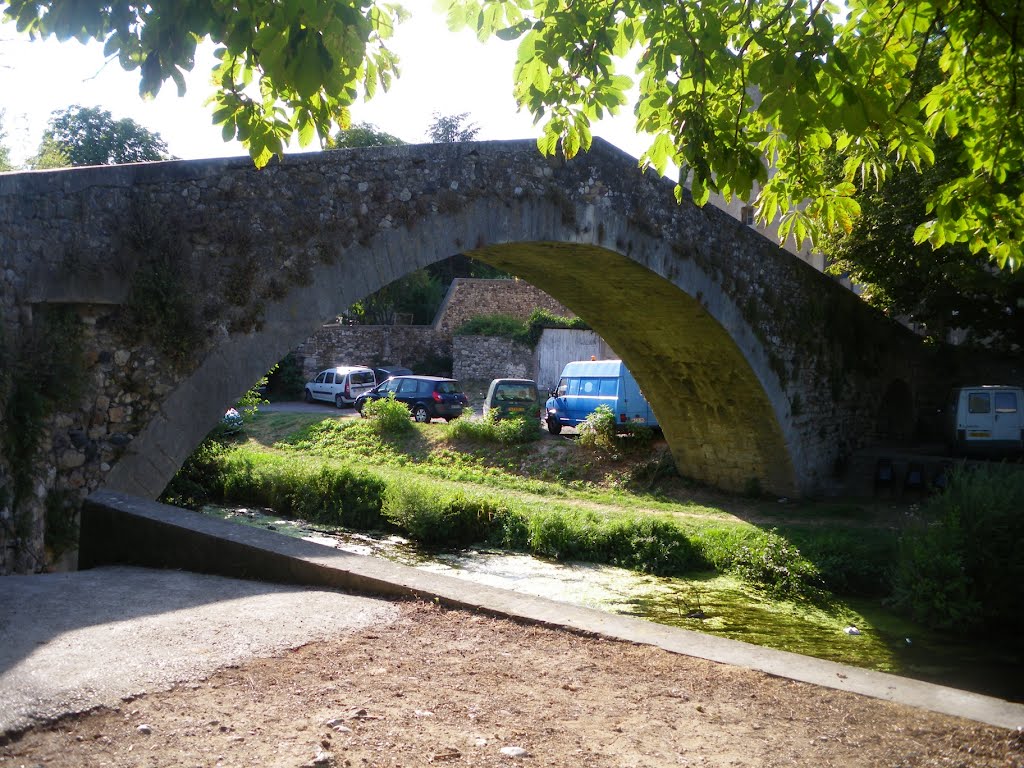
445,486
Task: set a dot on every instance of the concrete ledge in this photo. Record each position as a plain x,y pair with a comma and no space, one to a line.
122,529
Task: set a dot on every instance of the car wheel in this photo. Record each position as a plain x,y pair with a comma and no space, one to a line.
338,401
359,408
554,425
420,414
309,396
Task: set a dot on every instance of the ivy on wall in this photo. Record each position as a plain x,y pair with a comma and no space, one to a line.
161,308
40,372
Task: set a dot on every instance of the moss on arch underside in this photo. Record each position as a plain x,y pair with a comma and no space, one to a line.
715,414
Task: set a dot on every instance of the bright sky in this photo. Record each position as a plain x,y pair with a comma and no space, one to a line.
442,72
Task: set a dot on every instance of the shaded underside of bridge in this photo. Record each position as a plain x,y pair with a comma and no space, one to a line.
716,414
762,371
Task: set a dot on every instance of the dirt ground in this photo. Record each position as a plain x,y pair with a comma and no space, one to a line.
454,688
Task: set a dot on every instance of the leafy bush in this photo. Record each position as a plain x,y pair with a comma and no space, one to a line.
763,559
639,542
390,417
336,495
541,318
504,326
200,478
436,516
960,567
851,562
285,379
598,430
773,564
515,431
508,327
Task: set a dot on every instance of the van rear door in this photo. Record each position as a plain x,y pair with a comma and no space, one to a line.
1006,421
989,417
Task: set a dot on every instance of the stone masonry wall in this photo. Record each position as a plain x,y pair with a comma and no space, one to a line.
419,347
481,358
429,349
470,297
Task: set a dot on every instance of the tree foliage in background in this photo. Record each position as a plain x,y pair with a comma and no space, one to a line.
91,136
417,295
49,155
362,135
5,152
284,68
941,289
449,129
727,86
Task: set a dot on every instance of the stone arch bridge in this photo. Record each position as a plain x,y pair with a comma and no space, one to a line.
138,300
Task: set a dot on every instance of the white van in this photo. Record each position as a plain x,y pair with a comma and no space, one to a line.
586,384
986,419
341,385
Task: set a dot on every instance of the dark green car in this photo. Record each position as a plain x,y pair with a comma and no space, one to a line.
510,398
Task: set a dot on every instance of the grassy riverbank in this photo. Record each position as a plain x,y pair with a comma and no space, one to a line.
785,574
549,497
620,502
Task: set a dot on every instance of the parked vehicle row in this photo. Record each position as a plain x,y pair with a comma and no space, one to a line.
582,388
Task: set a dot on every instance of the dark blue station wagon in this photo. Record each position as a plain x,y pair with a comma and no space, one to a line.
426,397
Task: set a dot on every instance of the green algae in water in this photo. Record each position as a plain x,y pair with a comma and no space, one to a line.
726,607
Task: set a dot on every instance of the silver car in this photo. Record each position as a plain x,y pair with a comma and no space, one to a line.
341,385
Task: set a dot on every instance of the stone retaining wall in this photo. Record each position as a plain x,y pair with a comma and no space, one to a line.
470,297
419,347
482,358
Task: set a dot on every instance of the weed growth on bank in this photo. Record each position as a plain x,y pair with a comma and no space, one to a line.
438,512
600,432
487,429
960,565
388,415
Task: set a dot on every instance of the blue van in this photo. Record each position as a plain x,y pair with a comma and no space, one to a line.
584,385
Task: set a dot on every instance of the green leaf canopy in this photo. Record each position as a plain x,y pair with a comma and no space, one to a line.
285,67
750,98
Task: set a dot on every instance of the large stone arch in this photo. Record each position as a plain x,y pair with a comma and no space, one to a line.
761,368
703,368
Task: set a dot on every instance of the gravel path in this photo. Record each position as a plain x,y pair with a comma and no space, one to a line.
73,641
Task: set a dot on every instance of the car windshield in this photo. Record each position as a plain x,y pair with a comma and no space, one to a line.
447,387
513,392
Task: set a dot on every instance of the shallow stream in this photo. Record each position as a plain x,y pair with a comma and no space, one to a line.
857,632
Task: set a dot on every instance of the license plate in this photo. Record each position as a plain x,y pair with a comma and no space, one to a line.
979,434
516,410
638,420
